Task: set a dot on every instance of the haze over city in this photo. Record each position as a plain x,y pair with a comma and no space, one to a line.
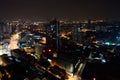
72,9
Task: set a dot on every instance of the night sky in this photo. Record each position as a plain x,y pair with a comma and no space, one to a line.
73,9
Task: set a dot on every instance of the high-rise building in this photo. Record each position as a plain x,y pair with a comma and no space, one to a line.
52,30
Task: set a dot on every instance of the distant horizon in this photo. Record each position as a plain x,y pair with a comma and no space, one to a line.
58,18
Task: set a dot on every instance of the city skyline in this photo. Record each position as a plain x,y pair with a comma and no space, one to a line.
73,9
